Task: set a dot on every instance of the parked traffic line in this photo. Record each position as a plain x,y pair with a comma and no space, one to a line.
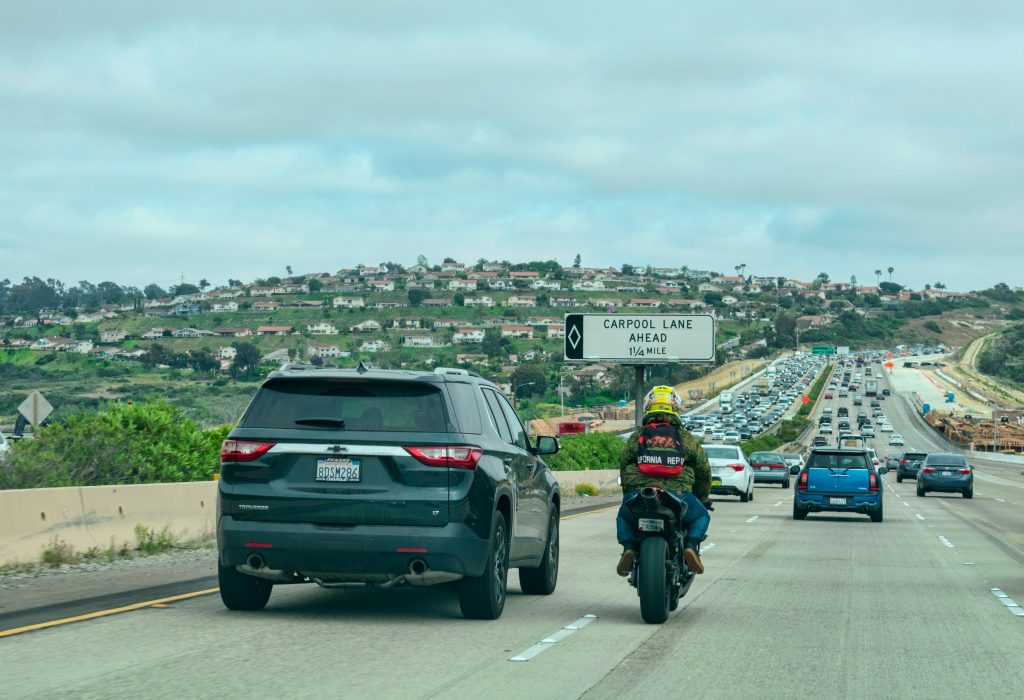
548,642
1006,600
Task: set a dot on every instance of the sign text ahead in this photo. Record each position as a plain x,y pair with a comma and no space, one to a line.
640,339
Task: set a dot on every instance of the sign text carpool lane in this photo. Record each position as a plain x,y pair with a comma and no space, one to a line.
640,338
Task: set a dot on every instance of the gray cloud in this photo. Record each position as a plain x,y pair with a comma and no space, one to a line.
201,139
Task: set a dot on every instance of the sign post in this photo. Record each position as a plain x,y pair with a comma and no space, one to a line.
35,408
640,340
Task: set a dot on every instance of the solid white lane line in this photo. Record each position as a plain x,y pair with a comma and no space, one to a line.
548,642
946,542
750,520
1006,600
919,516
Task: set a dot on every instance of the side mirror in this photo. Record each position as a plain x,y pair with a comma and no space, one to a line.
883,470
794,469
547,445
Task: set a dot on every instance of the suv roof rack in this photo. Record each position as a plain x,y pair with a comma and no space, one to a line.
457,371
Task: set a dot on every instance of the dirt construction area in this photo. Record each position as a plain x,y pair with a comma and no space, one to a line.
966,371
722,378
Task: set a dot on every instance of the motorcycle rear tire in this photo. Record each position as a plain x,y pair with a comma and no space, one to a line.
653,581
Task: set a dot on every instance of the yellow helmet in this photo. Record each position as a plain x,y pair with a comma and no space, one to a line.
663,399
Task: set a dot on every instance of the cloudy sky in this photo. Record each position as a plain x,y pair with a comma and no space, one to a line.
141,143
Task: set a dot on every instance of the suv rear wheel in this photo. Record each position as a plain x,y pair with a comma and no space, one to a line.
242,592
543,579
483,597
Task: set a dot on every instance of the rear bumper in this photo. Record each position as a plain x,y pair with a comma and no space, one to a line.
933,483
358,550
775,476
855,503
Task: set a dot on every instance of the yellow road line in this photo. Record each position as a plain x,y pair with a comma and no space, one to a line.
589,512
104,613
161,602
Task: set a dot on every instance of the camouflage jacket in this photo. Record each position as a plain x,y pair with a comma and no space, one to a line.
696,474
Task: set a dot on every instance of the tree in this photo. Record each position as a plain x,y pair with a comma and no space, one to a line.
203,361
184,288
315,285
822,278
273,280
203,284
459,299
785,331
939,285
247,360
153,291
529,380
288,269
890,288
421,260
234,283
878,277
853,280
576,263
713,298
628,270
890,269
491,345
416,296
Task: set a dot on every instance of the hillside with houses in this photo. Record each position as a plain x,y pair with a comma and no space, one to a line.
493,317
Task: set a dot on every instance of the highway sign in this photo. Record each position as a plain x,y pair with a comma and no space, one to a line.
640,339
823,350
35,408
843,350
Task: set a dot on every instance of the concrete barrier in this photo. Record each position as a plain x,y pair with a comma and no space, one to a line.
601,478
92,516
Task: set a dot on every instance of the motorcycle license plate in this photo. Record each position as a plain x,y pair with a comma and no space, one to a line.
837,501
651,525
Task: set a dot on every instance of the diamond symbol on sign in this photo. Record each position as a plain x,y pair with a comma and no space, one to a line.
574,337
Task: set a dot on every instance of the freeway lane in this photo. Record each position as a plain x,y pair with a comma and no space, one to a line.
833,606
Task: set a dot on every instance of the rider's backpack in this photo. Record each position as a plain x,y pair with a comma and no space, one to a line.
660,450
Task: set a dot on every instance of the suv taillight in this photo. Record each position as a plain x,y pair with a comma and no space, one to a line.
454,456
803,480
928,470
736,467
243,450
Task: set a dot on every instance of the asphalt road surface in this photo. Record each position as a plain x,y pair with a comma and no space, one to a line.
834,606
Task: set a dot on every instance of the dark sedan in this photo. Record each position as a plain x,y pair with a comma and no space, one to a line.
770,468
945,472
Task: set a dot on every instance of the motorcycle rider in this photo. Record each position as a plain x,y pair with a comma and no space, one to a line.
661,453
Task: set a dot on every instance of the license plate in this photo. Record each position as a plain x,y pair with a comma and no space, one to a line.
716,482
651,525
337,470
766,469
837,501
947,473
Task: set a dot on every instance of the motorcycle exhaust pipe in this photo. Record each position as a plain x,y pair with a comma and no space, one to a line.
650,498
255,561
418,567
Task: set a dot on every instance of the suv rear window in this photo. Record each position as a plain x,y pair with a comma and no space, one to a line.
838,461
345,404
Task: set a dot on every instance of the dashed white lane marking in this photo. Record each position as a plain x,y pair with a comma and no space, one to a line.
706,547
946,542
545,644
1001,500
777,504
919,516
1008,602
906,504
750,520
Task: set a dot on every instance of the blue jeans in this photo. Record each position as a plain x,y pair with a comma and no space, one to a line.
696,520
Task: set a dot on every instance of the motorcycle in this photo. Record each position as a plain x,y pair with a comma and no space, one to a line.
659,573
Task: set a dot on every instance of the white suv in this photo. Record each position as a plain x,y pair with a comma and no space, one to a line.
731,474
4,447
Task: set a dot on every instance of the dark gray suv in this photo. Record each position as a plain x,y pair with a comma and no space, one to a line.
385,477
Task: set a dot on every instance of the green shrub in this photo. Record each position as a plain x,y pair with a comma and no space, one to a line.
586,490
148,541
932,326
58,551
587,451
124,444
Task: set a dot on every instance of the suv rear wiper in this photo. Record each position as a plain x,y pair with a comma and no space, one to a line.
324,421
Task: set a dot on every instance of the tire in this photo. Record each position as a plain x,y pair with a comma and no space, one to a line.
876,515
785,484
241,591
543,579
899,478
653,581
744,497
969,493
920,491
798,512
483,597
